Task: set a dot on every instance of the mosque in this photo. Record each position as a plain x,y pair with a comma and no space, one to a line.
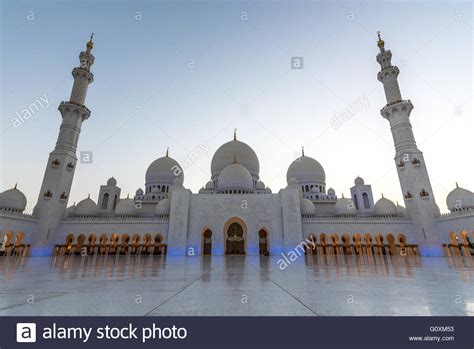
235,212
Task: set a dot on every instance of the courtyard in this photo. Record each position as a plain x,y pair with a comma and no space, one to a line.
236,286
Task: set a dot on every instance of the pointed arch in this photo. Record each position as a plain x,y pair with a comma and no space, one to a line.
228,224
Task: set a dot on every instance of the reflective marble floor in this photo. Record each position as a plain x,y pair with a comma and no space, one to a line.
234,285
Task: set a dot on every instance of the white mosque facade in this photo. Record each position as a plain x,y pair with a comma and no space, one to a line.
235,212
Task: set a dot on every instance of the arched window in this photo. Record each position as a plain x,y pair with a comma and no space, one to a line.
115,201
355,202
105,201
307,188
365,198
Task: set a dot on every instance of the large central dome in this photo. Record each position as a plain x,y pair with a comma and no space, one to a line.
233,151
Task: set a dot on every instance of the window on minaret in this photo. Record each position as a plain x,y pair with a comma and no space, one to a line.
115,201
365,198
355,202
105,201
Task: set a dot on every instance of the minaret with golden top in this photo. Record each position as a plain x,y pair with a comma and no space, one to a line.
59,173
409,161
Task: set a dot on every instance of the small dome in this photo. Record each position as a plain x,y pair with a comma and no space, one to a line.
385,207
260,185
292,181
163,207
155,190
344,207
315,189
331,191
70,211
402,211
86,207
164,170
307,207
306,169
178,182
460,198
235,176
126,207
210,185
112,182
359,181
13,199
139,192
225,155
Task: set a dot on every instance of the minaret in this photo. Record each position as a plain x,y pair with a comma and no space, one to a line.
412,173
59,173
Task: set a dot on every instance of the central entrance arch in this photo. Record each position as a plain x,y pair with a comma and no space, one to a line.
235,233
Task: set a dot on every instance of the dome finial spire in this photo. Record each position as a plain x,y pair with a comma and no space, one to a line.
235,134
90,44
167,151
382,196
16,184
89,196
302,151
380,42
457,186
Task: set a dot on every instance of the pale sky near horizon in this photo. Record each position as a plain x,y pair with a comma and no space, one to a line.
241,79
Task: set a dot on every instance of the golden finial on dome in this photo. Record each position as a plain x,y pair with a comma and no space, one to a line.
380,42
90,44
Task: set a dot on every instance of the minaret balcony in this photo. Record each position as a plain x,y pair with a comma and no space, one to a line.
68,106
83,73
393,108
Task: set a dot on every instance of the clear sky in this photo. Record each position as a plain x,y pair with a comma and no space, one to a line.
148,96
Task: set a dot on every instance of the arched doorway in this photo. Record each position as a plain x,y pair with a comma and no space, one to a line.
263,242
235,241
207,243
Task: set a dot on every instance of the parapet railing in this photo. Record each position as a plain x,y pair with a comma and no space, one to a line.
160,218
315,217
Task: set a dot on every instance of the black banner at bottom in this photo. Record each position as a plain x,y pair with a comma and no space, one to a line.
237,332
